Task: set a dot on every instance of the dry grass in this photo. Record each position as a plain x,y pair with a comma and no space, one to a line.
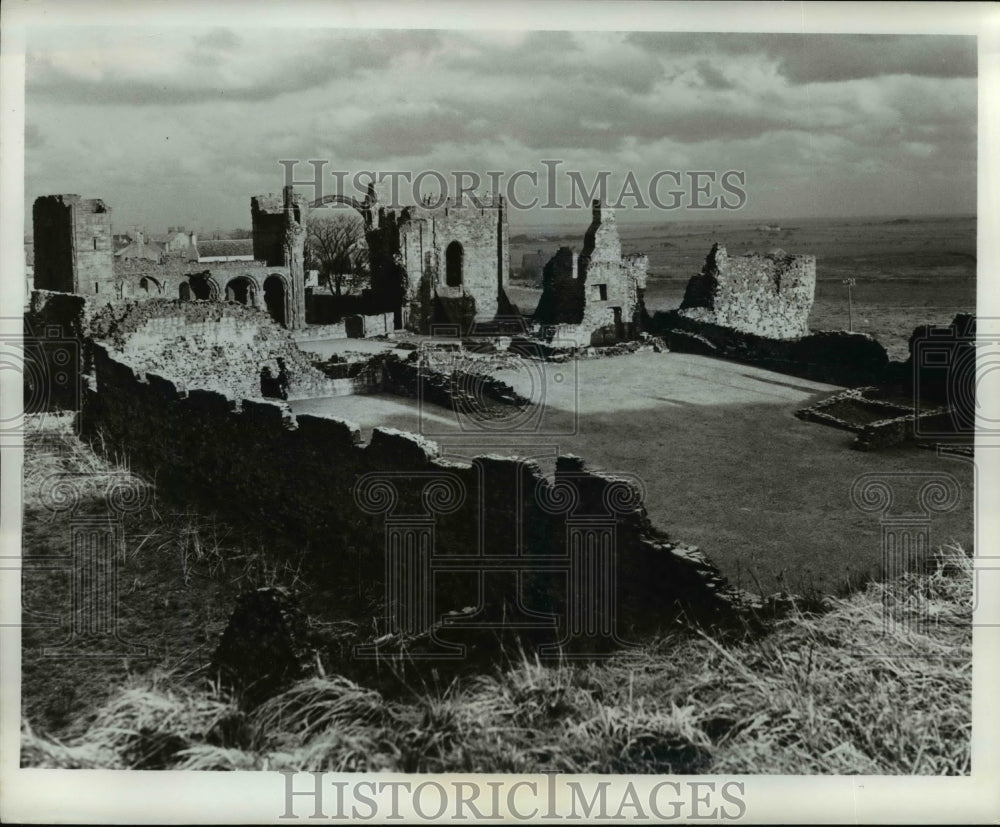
830,693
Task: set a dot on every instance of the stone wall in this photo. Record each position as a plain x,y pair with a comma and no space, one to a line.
73,251
303,475
595,298
768,295
439,257
207,345
73,245
838,357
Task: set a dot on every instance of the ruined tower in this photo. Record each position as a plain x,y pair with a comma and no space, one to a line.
279,239
596,297
456,256
73,247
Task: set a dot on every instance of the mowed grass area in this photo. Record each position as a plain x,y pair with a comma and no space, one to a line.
830,693
725,463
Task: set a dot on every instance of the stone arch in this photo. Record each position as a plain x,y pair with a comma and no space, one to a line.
148,286
454,261
242,290
204,287
277,297
365,208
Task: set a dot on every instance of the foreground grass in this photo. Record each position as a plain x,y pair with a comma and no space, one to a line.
827,693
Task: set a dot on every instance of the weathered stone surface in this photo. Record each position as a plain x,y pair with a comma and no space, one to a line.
73,246
768,295
439,264
199,344
73,254
594,298
241,460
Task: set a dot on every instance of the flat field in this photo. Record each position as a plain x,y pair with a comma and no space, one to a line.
725,463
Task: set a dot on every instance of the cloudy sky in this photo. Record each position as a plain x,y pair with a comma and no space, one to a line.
181,126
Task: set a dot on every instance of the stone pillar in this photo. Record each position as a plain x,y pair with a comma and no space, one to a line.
296,218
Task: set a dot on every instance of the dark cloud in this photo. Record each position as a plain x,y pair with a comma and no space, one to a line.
326,60
811,58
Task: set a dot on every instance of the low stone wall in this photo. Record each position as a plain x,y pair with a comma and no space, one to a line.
307,476
320,331
837,357
452,389
852,410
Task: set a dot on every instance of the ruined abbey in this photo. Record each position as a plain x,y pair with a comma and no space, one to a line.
443,266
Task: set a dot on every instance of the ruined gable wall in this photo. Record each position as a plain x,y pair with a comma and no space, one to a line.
769,295
581,295
562,299
252,455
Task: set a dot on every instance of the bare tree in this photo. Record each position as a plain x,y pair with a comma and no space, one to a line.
336,247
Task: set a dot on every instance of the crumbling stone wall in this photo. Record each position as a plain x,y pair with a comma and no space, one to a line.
595,298
207,345
73,246
768,295
445,264
252,456
279,240
190,281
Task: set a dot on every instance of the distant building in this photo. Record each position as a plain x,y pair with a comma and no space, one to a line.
176,239
228,249
141,248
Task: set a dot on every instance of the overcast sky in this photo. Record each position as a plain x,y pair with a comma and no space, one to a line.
182,126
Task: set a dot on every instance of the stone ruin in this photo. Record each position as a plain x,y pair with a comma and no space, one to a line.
215,345
595,297
441,264
73,254
73,245
769,295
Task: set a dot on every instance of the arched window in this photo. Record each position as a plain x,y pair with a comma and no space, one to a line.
453,264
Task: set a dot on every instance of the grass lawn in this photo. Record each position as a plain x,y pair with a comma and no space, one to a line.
725,463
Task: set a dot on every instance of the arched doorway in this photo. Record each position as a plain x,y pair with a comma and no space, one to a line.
453,256
201,287
240,290
148,286
184,292
274,298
